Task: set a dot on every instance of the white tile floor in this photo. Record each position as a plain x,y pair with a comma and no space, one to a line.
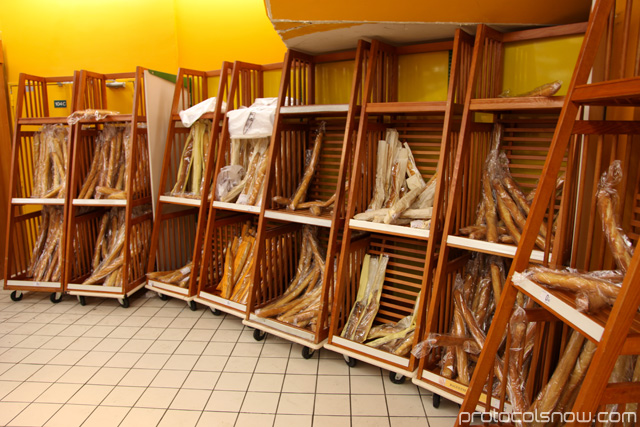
158,363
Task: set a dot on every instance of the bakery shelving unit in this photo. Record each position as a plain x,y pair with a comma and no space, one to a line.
180,220
280,234
26,212
607,134
528,123
86,215
225,220
430,129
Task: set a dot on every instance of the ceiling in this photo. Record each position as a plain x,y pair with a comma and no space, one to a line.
317,26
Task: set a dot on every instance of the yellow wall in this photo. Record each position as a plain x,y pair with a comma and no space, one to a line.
54,38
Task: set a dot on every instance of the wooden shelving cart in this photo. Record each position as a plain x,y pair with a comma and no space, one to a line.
179,225
604,134
303,122
528,123
226,219
107,237
34,249
429,129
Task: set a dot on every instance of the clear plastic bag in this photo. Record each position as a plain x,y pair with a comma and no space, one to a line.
90,114
608,206
190,176
50,161
45,263
228,177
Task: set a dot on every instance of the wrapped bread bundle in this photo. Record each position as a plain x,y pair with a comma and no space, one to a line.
190,175
400,195
238,262
179,277
367,302
242,180
108,255
503,208
107,176
50,146
45,263
396,338
301,302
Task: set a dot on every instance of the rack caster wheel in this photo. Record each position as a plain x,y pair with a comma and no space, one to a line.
56,297
124,302
350,361
436,401
216,312
163,297
307,352
397,378
259,335
16,295
82,300
192,305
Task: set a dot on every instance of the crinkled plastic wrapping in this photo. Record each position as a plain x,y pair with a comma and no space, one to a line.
608,206
90,114
251,155
107,175
108,253
373,293
593,290
228,177
45,263
516,380
190,176
179,277
50,146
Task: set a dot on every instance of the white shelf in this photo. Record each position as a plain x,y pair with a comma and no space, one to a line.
36,201
491,248
286,330
221,304
99,202
32,284
160,287
402,230
301,219
353,349
278,331
559,307
97,289
180,200
315,109
236,207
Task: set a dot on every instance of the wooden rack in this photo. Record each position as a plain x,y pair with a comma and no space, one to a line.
298,119
179,226
606,134
226,220
86,214
25,211
430,130
528,124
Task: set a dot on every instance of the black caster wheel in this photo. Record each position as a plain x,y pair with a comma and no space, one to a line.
216,312
82,300
124,302
307,352
350,361
163,297
396,378
193,306
56,297
16,295
436,401
259,335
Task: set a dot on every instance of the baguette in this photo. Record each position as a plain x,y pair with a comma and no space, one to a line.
301,192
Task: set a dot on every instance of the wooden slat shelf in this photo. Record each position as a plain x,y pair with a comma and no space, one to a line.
301,217
178,232
621,92
406,107
517,103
